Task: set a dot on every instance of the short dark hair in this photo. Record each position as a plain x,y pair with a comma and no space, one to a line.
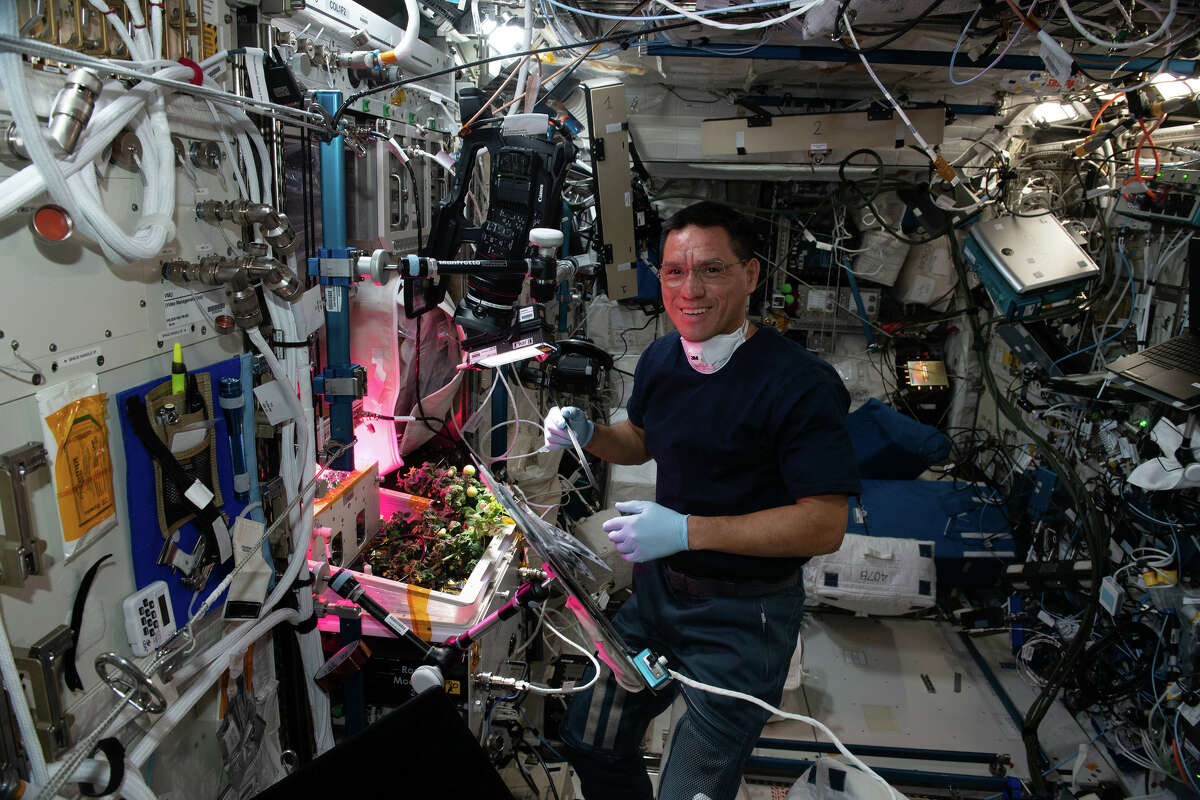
708,214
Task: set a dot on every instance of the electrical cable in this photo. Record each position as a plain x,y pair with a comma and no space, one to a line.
853,759
1113,45
943,169
383,87
1132,306
954,53
903,29
1094,531
748,26
1180,756
525,686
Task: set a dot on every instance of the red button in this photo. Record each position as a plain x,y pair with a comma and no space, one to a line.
52,223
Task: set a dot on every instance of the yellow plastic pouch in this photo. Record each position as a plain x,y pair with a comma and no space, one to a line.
75,431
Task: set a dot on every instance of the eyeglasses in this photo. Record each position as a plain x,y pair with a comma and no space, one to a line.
712,272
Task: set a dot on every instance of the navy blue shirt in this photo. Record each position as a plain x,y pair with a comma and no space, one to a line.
764,431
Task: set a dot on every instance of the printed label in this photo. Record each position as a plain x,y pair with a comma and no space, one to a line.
90,355
272,402
333,299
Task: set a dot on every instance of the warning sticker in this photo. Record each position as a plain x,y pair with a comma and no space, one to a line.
83,468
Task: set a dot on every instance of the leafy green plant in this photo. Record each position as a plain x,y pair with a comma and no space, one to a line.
437,547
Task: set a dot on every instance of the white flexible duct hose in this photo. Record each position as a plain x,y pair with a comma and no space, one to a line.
111,117
312,656
158,201
96,771
113,113
235,641
92,770
29,738
141,34
156,28
12,78
123,32
411,29
134,786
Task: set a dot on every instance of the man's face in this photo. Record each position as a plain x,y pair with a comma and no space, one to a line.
705,303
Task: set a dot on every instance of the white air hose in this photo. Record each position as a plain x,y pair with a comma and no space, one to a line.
235,642
409,39
29,738
12,79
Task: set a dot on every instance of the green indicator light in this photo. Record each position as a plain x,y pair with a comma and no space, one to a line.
785,288
1185,176
1144,423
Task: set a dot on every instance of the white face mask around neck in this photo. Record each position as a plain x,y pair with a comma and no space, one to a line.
714,353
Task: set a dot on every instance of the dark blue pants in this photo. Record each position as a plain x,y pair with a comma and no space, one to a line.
743,643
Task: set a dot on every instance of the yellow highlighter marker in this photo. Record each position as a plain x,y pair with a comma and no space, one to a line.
178,371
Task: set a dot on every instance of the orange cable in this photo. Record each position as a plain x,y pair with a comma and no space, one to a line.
1027,21
1137,156
1103,108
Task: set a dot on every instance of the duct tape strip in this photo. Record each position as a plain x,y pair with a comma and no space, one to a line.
417,598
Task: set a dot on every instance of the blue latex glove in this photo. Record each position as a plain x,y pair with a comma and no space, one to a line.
650,531
557,422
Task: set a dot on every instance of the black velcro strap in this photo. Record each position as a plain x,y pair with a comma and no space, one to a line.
300,583
282,344
139,421
114,751
70,674
306,625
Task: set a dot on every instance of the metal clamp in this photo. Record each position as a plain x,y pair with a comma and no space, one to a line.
130,683
20,552
42,665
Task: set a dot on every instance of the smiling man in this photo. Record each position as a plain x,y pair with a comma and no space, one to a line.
754,469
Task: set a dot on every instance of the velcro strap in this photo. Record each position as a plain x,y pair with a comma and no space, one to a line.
70,674
114,751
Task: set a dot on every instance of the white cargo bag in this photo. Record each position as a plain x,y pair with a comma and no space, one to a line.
874,575
830,779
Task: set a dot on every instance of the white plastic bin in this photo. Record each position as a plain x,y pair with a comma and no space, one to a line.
434,616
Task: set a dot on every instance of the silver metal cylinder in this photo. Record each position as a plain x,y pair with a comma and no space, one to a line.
73,108
280,279
243,302
14,143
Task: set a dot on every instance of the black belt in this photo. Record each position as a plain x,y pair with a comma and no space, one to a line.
717,587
